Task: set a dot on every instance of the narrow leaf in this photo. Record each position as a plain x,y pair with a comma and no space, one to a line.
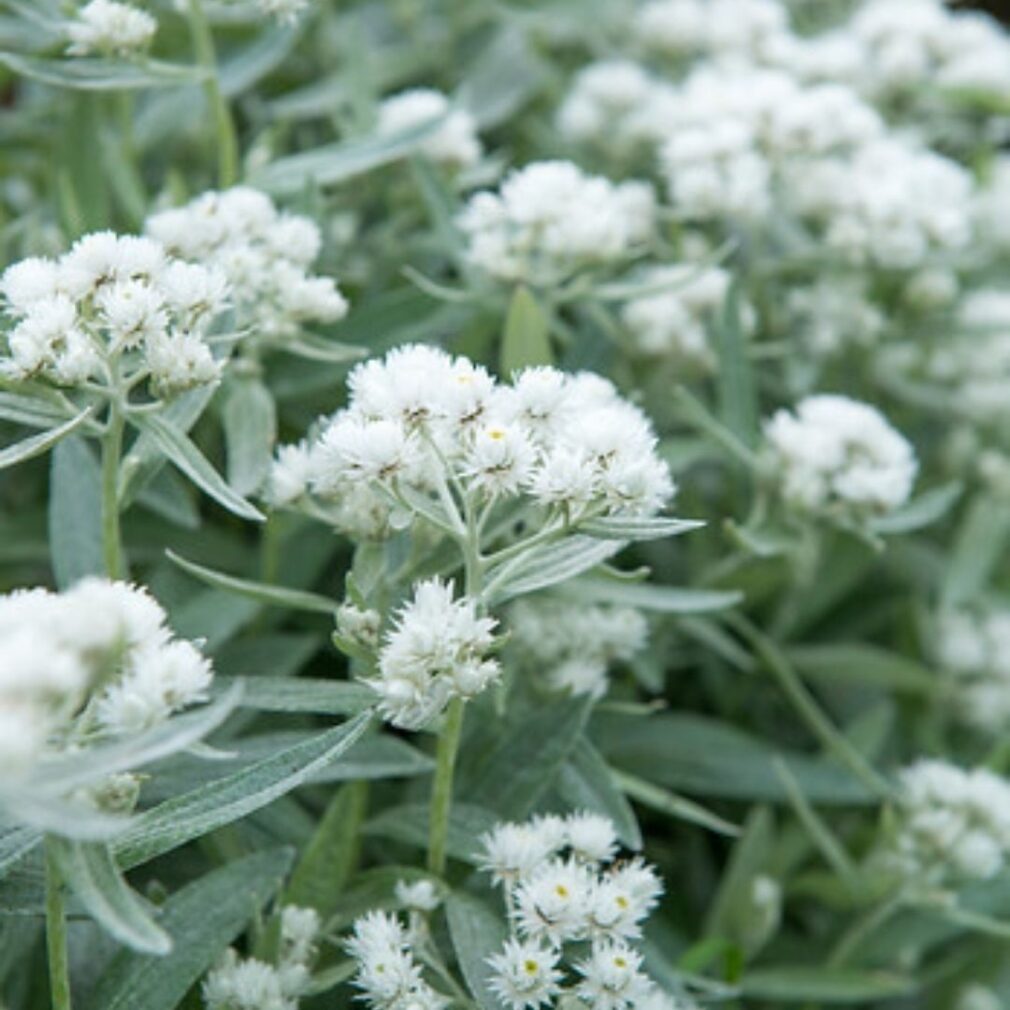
261,592
75,512
181,450
526,339
639,527
35,445
91,872
476,933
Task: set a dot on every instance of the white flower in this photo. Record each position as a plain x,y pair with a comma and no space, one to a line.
553,903
434,652
834,452
511,852
290,474
611,977
105,26
549,220
263,253
421,895
300,929
454,142
132,311
499,459
237,984
28,281
525,975
387,973
592,837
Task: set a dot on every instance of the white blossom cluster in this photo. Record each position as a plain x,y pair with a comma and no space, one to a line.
420,422
891,204
835,313
94,661
751,29
388,973
834,454
675,317
575,912
454,143
110,28
574,645
265,253
952,824
975,647
435,651
549,220
237,983
114,308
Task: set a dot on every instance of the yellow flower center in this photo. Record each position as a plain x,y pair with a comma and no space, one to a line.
531,967
496,434
561,891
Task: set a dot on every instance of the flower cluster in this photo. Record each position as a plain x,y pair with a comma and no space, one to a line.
837,455
549,220
573,645
421,425
975,647
674,318
565,889
249,984
113,309
952,824
892,203
454,143
94,661
107,27
833,314
436,650
388,974
265,253
752,29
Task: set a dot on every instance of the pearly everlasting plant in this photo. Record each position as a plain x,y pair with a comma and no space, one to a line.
834,455
265,253
110,27
455,143
550,220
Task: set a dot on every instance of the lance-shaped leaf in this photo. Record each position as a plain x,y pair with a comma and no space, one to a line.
91,872
183,453
183,818
35,445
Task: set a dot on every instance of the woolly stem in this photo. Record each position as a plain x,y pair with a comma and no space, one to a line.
452,728
112,449
56,935
441,792
224,125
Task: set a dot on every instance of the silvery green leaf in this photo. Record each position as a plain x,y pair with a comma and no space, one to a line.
476,933
805,983
31,411
503,76
91,872
922,511
332,163
97,74
647,596
184,454
35,445
177,734
526,341
250,430
303,694
202,919
548,565
75,512
178,820
316,348
638,527
275,596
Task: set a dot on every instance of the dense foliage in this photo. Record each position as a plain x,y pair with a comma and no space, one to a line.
503,505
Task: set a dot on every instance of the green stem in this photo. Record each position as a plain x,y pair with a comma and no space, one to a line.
441,792
112,450
224,125
56,935
452,729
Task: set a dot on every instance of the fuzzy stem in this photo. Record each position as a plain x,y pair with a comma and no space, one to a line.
441,792
452,729
56,935
112,450
224,125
